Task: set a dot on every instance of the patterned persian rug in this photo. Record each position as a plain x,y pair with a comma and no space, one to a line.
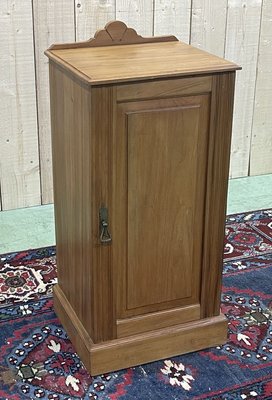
38,360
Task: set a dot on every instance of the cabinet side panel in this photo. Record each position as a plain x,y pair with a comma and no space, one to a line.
216,196
70,118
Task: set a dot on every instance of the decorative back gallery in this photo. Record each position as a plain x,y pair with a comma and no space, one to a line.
238,30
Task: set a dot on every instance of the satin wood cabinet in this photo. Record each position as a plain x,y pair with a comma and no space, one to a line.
141,131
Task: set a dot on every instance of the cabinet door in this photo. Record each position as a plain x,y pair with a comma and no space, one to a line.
159,178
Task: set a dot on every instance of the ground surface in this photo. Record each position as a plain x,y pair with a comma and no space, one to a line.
33,227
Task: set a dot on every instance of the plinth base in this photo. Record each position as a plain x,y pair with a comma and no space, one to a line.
138,349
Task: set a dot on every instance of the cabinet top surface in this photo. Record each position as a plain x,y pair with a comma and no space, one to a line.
105,64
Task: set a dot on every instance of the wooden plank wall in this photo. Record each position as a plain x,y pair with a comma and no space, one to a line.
19,154
240,30
261,139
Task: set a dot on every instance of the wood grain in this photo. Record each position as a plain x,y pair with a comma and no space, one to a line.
103,305
208,27
115,33
243,33
157,320
114,64
216,196
19,172
164,88
156,155
136,13
173,16
164,138
156,345
79,154
71,141
138,349
58,18
76,331
91,15
124,198
261,144
55,21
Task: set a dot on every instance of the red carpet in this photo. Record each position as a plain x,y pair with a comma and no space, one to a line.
39,362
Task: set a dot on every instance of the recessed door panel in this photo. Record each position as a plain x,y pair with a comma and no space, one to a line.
165,144
160,209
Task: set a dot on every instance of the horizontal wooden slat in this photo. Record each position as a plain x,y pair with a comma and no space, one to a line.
167,342
144,323
166,88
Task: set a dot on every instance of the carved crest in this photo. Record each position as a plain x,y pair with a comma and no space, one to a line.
114,33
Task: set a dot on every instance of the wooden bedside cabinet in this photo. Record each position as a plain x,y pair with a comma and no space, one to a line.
141,131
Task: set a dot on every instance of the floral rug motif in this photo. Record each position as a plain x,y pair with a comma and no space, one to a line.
38,361
29,275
